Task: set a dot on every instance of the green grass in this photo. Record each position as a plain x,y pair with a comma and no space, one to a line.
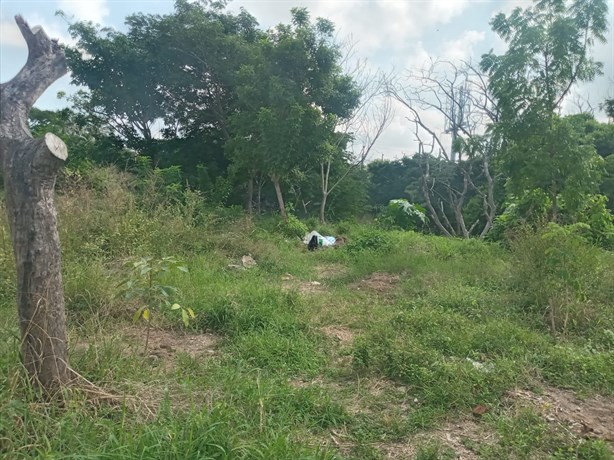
339,371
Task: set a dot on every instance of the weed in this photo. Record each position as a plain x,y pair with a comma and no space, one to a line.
434,450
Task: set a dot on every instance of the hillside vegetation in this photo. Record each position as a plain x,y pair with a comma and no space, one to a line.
395,345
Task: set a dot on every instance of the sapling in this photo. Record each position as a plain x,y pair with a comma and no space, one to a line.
144,285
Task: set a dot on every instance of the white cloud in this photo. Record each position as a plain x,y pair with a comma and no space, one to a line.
417,57
462,47
10,35
86,10
392,24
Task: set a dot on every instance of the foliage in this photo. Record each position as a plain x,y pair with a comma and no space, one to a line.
293,227
83,134
390,180
289,99
548,52
144,287
558,268
369,240
607,185
403,215
532,210
600,221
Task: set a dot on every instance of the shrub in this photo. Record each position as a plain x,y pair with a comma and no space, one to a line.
401,214
293,227
369,240
557,268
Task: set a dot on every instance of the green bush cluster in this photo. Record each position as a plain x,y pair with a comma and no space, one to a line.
562,275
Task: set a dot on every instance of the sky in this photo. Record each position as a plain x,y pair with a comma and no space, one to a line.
396,36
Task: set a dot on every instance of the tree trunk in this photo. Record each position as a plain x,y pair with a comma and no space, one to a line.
30,167
323,208
259,200
280,197
324,175
249,199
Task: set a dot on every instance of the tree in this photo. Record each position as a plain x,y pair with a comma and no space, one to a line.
82,133
548,53
458,183
608,107
289,96
357,133
390,180
121,74
30,167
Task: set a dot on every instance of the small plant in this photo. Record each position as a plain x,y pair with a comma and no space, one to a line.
401,214
369,240
435,450
144,286
293,227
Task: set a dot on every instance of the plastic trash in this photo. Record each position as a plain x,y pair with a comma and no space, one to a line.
323,241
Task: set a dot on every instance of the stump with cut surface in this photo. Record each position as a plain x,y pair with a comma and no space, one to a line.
30,167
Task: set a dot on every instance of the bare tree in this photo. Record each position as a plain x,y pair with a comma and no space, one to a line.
363,128
30,167
459,95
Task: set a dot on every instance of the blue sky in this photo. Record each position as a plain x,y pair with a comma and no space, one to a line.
392,35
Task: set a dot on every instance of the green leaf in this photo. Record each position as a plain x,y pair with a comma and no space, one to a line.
191,312
175,306
183,268
146,314
185,317
137,314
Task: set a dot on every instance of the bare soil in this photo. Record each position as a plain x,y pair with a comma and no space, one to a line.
341,334
454,435
304,287
589,418
380,282
166,345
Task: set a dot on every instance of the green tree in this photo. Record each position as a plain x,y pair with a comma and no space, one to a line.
608,108
548,52
82,133
122,78
159,74
394,179
289,100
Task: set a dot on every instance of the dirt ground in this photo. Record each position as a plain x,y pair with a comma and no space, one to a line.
304,287
379,282
165,344
340,334
454,435
588,418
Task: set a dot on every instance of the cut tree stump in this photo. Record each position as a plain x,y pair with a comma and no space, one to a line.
30,167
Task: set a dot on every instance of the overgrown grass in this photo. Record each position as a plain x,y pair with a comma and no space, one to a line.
339,369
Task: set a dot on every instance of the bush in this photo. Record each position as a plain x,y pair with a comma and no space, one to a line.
369,240
558,270
401,214
293,227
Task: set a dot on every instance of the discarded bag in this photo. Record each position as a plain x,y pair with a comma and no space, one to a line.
322,241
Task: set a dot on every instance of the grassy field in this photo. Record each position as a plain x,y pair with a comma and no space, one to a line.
397,345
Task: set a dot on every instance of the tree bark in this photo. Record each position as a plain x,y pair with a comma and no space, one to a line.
30,167
280,197
323,208
249,199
